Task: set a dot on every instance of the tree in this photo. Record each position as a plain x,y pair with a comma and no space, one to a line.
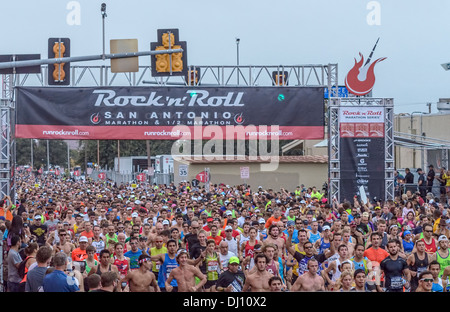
57,152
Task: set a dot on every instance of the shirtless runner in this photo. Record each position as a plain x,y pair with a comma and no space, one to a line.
142,279
310,281
274,238
185,275
258,281
64,243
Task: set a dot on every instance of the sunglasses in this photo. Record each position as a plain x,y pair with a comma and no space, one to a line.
427,280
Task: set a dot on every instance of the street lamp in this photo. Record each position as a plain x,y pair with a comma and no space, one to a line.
237,58
103,11
446,66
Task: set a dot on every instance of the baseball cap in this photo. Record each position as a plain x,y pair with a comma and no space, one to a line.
233,260
134,215
406,232
262,221
228,227
37,217
326,227
210,219
419,169
165,222
83,239
442,238
290,223
228,213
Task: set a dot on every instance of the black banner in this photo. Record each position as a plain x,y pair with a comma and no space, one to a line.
362,164
167,112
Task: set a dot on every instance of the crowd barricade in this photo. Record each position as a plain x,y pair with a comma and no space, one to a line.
131,177
414,188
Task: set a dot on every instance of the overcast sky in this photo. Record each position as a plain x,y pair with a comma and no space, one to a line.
414,35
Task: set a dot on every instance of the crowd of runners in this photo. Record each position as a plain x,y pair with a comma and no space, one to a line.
66,235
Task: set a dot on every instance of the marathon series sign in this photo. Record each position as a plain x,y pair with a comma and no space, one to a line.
168,112
362,152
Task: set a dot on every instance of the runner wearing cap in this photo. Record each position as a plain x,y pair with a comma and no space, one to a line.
262,231
39,230
442,255
231,280
79,254
209,222
325,240
232,242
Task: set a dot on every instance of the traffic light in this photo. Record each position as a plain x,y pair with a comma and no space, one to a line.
280,78
174,64
192,77
59,73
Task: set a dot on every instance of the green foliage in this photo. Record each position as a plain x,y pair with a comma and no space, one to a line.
57,152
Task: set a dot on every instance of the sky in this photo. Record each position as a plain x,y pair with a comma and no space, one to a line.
414,35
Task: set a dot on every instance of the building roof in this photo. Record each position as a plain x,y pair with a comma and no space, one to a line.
319,159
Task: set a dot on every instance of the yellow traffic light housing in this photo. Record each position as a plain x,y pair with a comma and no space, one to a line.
280,78
192,77
174,64
59,73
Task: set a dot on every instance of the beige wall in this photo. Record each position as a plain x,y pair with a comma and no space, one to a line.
288,175
433,126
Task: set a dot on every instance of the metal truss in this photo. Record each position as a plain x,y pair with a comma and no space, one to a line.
313,75
7,146
220,75
335,105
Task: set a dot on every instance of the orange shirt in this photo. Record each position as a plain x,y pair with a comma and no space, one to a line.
217,239
87,234
271,221
80,255
376,255
8,216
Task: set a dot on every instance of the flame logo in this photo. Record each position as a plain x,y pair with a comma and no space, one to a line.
361,79
95,119
239,119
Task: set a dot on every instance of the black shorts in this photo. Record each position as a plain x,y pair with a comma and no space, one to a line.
209,284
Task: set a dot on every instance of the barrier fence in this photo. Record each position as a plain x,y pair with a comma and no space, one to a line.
131,177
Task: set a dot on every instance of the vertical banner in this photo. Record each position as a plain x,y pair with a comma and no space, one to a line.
362,152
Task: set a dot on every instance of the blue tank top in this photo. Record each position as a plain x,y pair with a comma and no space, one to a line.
164,271
360,265
314,237
280,270
408,246
323,246
437,287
